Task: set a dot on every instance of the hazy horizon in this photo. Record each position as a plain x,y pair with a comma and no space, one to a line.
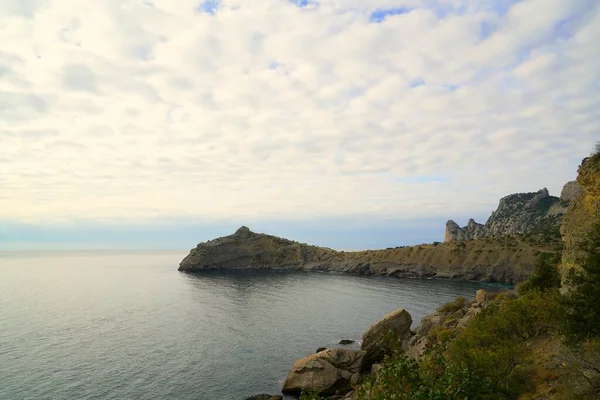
360,124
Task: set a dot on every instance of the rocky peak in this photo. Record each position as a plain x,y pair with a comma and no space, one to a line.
243,232
570,191
454,232
518,213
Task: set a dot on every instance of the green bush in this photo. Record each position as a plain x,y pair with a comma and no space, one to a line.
310,396
453,306
488,359
545,275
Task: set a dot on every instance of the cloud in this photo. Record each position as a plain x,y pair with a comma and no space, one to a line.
290,110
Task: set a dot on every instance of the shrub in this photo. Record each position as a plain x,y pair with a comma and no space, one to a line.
453,306
545,275
310,396
488,359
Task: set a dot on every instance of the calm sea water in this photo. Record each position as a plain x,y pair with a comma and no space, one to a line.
129,326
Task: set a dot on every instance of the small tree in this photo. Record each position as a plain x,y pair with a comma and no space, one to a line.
582,302
545,275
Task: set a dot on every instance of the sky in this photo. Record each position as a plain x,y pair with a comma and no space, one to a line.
351,124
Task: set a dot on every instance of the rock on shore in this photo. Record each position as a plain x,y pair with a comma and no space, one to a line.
329,372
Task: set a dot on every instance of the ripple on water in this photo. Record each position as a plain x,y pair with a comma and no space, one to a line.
127,326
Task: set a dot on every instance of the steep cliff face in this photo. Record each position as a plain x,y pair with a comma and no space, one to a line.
583,211
506,260
518,214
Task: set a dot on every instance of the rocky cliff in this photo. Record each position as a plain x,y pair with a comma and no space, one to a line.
519,214
583,211
507,259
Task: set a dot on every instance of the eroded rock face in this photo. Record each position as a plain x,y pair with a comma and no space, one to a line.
519,213
454,232
570,191
328,372
383,336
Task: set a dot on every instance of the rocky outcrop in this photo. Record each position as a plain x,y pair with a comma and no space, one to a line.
519,214
570,191
329,372
249,250
454,232
382,337
335,371
583,212
452,316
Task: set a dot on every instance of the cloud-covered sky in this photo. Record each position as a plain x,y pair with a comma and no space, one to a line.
145,115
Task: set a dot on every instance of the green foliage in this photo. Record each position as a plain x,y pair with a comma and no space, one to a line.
545,275
582,302
492,346
310,396
488,359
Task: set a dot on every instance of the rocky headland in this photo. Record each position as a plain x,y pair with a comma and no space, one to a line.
502,250
505,260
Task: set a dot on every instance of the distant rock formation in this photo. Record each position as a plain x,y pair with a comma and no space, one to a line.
519,213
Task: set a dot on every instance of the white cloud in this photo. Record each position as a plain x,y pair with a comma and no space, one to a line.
141,109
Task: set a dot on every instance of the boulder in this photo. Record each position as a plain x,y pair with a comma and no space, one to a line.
347,341
571,191
320,349
264,397
328,372
384,336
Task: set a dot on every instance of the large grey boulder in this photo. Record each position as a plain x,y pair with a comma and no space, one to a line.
385,336
329,372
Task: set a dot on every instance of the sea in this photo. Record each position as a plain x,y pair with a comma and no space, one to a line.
128,325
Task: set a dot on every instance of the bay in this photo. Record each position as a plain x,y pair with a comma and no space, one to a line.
127,325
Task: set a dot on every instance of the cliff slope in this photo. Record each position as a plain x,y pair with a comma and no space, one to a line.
583,211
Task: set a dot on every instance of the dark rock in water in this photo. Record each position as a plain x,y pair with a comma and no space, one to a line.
320,349
347,341
264,397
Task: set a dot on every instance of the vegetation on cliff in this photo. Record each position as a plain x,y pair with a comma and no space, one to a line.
538,342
